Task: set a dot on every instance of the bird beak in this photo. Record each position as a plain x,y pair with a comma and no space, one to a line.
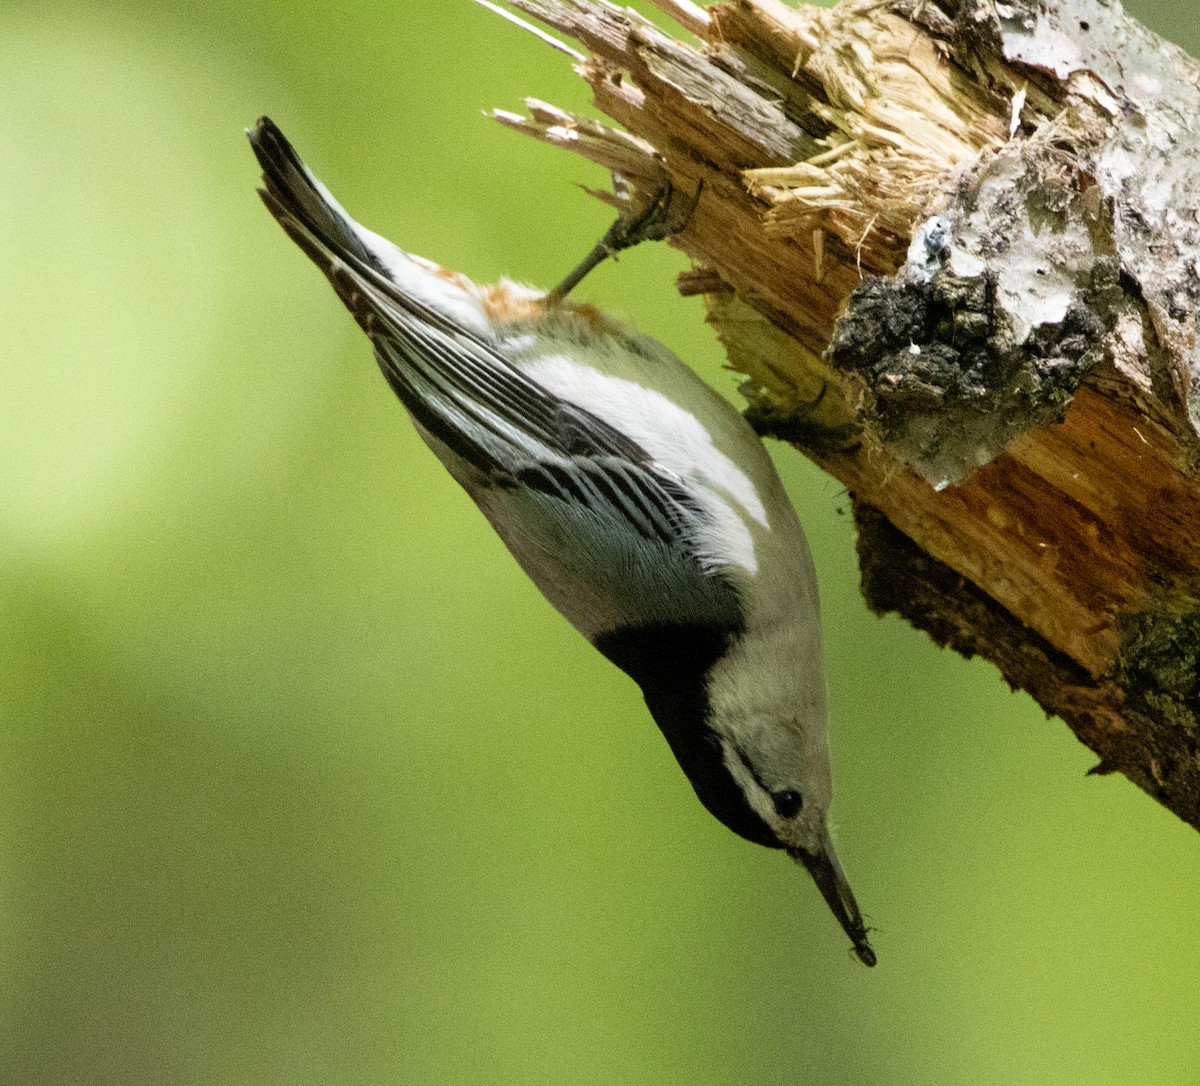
827,873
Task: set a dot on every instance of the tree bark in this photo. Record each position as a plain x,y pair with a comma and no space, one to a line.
954,245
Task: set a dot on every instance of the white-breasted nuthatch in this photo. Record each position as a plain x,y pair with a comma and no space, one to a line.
635,497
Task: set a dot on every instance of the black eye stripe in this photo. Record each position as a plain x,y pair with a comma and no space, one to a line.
750,769
788,804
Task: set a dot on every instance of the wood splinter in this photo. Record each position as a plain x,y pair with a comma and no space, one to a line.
972,230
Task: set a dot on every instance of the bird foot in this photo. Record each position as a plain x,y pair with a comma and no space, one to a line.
662,217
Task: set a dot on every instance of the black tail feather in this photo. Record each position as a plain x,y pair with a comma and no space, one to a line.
295,197
314,220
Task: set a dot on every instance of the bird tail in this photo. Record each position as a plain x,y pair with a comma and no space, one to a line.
303,206
367,271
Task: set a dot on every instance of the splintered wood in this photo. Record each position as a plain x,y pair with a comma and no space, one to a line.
954,247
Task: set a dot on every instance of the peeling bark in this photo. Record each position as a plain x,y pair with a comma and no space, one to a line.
954,245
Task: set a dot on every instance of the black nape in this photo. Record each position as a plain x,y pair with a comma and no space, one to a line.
670,662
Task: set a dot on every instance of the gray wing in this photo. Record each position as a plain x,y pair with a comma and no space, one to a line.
602,531
578,502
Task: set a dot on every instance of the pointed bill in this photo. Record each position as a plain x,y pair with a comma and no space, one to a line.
827,873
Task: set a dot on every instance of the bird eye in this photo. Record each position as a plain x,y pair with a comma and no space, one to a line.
787,804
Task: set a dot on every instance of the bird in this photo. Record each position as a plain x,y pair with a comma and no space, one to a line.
636,498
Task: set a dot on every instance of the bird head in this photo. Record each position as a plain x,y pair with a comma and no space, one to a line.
782,775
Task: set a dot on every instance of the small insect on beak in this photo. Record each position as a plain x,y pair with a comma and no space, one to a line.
827,873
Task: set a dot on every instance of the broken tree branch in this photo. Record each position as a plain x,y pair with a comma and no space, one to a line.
954,245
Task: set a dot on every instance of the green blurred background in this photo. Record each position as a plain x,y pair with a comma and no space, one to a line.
301,782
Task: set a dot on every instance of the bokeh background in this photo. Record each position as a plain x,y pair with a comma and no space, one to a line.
301,782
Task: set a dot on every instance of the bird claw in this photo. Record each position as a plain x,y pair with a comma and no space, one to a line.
661,218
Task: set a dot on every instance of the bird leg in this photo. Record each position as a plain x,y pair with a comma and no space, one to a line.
657,220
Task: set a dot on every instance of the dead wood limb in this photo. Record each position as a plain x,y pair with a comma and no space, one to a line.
974,226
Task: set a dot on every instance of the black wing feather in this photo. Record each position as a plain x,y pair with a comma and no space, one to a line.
445,375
